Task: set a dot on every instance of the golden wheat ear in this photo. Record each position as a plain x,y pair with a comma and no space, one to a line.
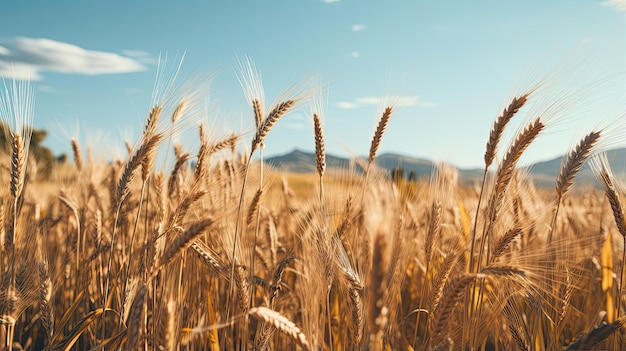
499,126
317,108
595,336
320,149
570,166
281,323
613,190
379,132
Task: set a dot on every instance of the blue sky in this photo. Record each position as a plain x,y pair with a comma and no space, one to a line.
450,66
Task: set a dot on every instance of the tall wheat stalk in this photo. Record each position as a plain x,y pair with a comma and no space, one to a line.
613,191
16,112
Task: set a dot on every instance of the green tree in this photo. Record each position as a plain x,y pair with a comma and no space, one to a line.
42,155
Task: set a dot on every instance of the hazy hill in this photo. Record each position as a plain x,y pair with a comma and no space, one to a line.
544,173
304,162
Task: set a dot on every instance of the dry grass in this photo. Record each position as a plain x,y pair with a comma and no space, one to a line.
223,256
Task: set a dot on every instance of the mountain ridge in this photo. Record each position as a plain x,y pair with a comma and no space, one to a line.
543,172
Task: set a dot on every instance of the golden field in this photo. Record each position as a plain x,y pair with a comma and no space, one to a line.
207,250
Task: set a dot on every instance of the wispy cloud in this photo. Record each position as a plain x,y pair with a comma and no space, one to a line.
27,58
399,101
141,56
346,105
355,54
330,1
620,4
358,27
136,53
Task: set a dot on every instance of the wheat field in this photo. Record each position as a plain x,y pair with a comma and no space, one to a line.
210,249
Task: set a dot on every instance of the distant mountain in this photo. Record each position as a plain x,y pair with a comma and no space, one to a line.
304,162
543,173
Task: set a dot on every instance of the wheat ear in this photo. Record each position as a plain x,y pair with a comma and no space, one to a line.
78,158
505,174
264,331
574,162
45,294
254,206
264,128
225,143
281,323
499,125
181,160
182,242
570,166
378,134
134,318
606,178
441,279
203,155
320,150
209,258
123,187
503,243
513,154
18,163
452,294
602,171
596,335
258,112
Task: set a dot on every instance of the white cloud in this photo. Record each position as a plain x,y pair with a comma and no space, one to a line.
355,54
141,56
399,101
330,1
620,4
346,105
136,53
27,58
358,27
369,100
